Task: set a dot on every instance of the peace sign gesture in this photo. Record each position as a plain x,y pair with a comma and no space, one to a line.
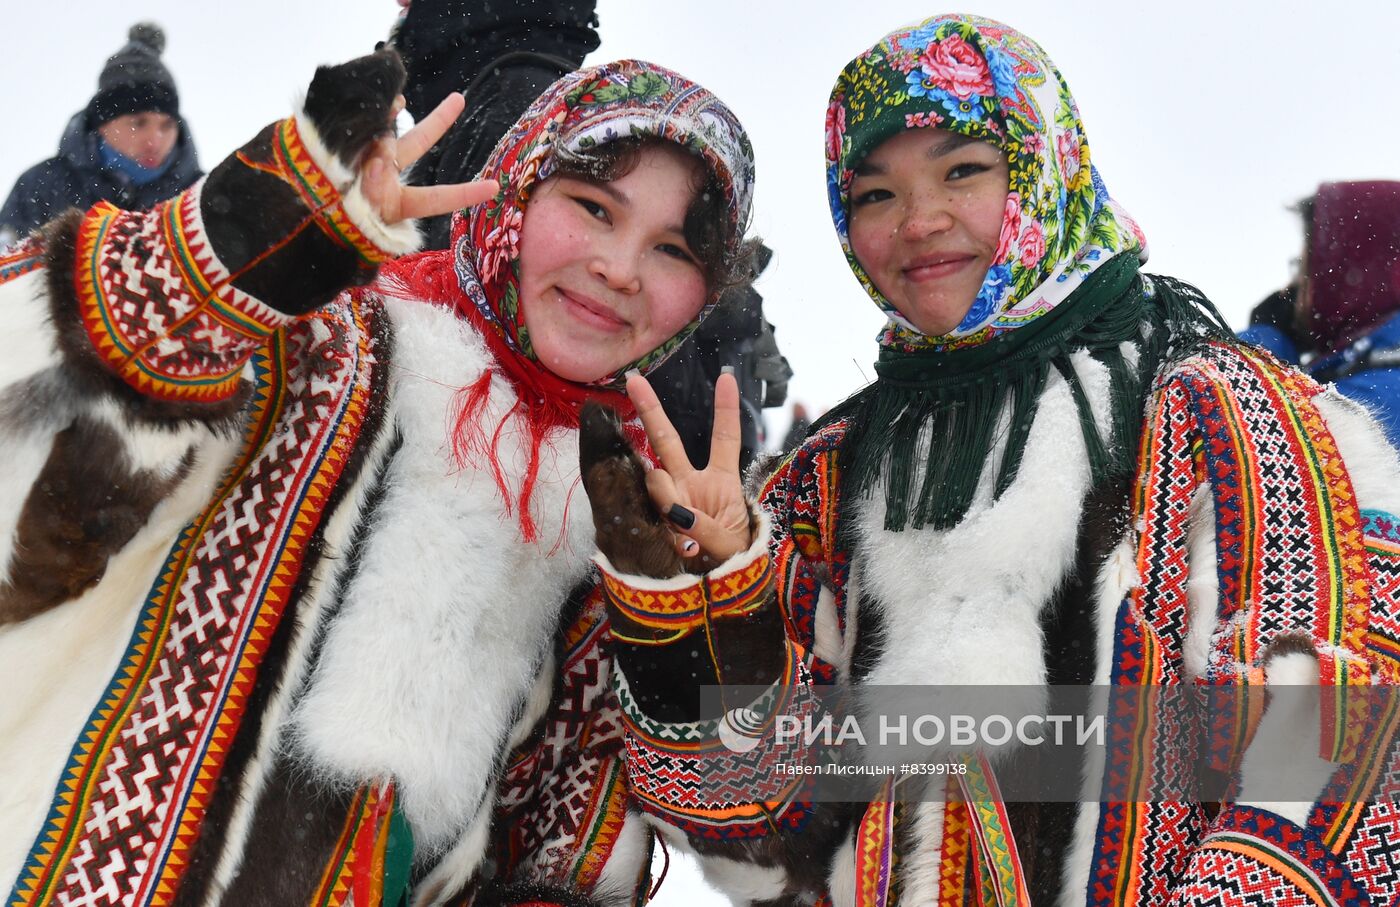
712,514
388,156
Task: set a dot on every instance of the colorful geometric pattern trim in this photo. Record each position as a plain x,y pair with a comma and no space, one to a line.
981,79
583,110
720,778
563,797
293,163
1292,564
131,800
158,305
875,850
1252,856
677,607
998,859
20,259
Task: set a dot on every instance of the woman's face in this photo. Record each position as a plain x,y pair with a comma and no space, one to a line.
606,275
926,209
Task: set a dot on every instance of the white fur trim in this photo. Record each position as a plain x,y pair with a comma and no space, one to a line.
1202,584
1283,756
744,882
630,851
920,867
458,865
337,171
758,547
423,671
1117,578
962,606
841,879
395,239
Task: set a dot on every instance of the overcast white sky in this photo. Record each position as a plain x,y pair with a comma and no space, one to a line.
1206,119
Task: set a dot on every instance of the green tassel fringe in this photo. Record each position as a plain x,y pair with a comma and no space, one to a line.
925,429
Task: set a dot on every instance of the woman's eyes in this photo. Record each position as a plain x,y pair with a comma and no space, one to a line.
593,208
870,196
675,251
962,171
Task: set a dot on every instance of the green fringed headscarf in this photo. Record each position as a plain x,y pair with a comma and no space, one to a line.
1065,277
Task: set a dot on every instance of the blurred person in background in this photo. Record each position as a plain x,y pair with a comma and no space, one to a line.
1341,318
501,56
128,146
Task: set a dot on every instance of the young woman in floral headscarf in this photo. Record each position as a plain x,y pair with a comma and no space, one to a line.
1066,472
294,608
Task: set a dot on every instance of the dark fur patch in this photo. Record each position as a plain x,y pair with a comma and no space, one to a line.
83,508
350,103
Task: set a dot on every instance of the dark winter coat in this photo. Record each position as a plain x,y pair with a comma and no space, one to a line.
74,178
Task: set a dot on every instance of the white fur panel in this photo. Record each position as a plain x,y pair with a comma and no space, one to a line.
32,342
447,623
841,880
962,606
618,880
1371,462
1283,757
744,882
921,865
149,448
758,547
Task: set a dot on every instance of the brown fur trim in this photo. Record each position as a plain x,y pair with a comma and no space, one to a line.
85,505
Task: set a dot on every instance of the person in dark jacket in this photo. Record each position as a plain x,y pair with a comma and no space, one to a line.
501,56
1341,319
128,146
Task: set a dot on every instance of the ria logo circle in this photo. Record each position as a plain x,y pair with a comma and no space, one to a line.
740,730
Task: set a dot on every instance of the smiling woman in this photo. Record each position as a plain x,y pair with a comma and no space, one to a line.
393,667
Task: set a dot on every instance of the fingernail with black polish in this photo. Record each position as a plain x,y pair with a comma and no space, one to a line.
680,516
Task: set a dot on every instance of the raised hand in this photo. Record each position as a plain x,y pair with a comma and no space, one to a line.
389,156
354,105
713,497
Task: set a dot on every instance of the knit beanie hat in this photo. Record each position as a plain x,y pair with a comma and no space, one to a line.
134,80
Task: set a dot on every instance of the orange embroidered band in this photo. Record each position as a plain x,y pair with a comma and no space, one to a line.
297,168
674,613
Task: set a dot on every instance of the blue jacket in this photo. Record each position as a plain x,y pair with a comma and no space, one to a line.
75,178
1367,371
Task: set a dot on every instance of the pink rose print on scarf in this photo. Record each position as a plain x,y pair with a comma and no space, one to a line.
1032,244
1010,226
501,244
921,120
835,129
1067,144
953,65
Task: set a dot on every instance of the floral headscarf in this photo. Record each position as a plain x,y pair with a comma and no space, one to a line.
585,109
976,77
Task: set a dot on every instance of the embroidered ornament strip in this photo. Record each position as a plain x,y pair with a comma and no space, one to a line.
118,832
157,304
